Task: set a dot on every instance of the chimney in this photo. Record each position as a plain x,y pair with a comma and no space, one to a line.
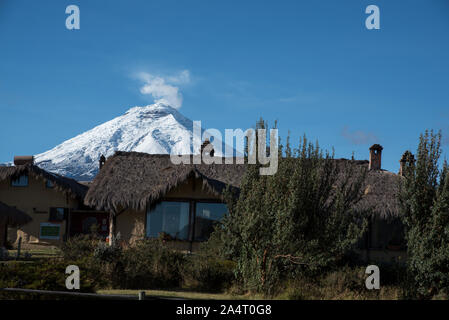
207,148
375,157
102,161
21,160
407,159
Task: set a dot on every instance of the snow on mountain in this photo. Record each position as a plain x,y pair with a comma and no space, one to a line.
157,129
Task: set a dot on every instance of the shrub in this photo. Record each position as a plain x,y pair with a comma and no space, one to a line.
150,264
343,283
108,253
79,247
45,275
209,273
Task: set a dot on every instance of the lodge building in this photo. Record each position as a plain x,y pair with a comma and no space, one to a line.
143,195
53,203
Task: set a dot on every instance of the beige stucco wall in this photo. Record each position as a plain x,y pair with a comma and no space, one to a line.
131,223
35,200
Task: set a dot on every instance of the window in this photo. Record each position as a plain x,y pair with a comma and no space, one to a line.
21,181
58,214
206,216
169,217
49,184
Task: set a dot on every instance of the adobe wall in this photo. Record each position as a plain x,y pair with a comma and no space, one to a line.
35,200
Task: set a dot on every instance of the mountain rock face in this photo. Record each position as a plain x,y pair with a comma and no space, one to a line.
156,129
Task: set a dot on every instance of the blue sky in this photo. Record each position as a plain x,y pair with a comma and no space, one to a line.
311,65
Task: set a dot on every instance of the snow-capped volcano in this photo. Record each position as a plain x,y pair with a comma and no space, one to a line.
156,128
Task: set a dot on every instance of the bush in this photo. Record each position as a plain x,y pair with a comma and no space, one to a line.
45,275
149,264
79,247
344,283
209,273
108,253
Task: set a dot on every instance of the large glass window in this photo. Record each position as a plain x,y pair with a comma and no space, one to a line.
21,181
169,217
206,215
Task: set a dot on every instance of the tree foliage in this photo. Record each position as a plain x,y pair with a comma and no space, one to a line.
424,201
299,220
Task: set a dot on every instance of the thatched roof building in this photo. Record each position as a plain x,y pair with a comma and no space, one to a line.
67,185
133,180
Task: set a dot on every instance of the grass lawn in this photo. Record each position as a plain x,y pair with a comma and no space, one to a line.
183,294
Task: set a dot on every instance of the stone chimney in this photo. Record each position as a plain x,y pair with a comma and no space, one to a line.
375,157
102,161
207,148
21,160
407,159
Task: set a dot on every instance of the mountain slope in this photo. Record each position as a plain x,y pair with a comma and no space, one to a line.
156,128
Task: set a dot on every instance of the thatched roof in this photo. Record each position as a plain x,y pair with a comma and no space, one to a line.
12,216
380,193
133,180
70,186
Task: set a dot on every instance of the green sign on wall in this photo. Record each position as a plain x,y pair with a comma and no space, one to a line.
50,231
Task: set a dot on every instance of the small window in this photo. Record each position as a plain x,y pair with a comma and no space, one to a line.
50,184
206,216
58,214
21,181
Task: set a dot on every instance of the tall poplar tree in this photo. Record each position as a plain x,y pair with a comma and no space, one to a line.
424,201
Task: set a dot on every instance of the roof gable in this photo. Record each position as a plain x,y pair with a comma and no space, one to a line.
72,187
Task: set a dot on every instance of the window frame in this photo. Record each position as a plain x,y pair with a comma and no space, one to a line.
168,200
192,215
18,178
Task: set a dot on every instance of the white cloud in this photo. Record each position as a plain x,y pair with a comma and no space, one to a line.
164,89
359,136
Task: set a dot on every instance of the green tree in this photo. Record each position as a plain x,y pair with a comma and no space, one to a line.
424,199
299,220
